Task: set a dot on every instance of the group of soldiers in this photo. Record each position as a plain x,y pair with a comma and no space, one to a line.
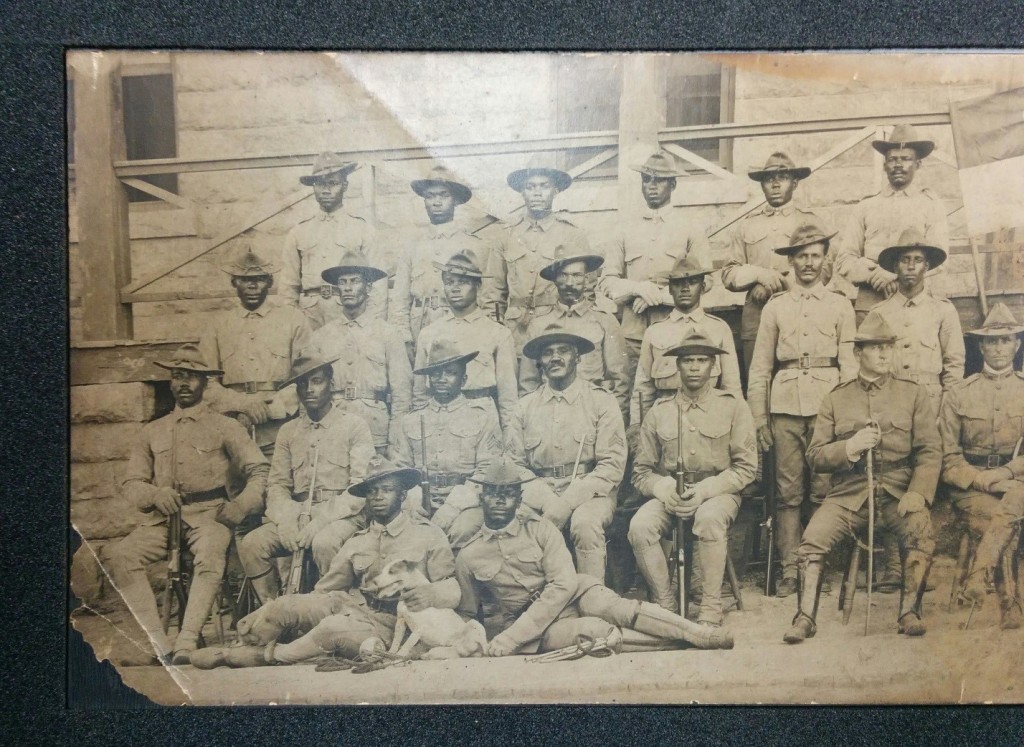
482,409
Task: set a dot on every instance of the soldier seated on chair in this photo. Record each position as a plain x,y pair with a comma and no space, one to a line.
719,458
519,563
895,420
187,461
982,424
335,445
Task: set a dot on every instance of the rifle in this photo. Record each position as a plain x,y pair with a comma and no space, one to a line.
175,587
684,535
297,573
771,505
428,506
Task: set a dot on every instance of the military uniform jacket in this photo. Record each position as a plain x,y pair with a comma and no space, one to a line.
657,371
417,298
876,222
255,346
606,366
718,440
523,561
343,446
801,324
905,414
929,345
549,426
525,249
752,246
645,251
373,365
981,417
317,243
494,367
194,450
462,438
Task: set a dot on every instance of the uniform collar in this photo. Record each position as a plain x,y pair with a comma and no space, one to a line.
570,394
472,316
700,401
580,308
919,300
360,321
816,291
912,190
193,413
394,529
543,225
657,216
325,422
244,313
455,404
868,385
695,316
442,231
991,373
781,210
511,529
332,216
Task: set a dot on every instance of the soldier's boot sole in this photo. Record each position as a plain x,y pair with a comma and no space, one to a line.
911,625
802,629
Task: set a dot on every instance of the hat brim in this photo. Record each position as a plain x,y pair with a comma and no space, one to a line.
185,366
460,192
372,274
345,169
410,477
519,481
535,347
680,350
923,148
888,257
688,274
458,271
237,272
639,167
561,179
996,331
306,372
874,340
797,172
592,261
785,251
446,362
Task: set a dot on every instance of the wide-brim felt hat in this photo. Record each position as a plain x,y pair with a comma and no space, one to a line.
592,261
1000,322
695,343
910,239
444,353
874,329
687,267
378,469
441,177
904,136
805,235
779,163
503,472
552,335
246,263
561,179
660,165
189,358
353,262
304,365
327,164
463,263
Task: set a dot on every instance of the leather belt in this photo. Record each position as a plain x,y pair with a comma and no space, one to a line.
433,302
447,479
534,596
251,387
354,393
806,361
522,303
324,291
204,495
487,391
693,476
564,470
880,466
920,378
390,606
322,494
988,461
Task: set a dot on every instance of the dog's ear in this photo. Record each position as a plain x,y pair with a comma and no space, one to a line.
403,566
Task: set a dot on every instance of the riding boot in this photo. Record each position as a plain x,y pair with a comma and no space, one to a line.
656,621
916,565
267,586
713,554
810,570
1011,613
138,595
986,558
892,564
650,560
787,540
201,595
592,562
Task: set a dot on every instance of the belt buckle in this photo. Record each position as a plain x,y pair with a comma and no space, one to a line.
249,387
559,471
434,302
805,361
349,392
326,290
690,477
992,461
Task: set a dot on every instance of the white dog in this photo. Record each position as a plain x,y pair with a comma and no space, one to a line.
447,634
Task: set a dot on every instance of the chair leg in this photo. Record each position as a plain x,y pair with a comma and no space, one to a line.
849,587
734,582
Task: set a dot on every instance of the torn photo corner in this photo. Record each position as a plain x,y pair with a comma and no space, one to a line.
409,378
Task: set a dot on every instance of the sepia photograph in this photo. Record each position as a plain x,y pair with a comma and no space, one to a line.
548,378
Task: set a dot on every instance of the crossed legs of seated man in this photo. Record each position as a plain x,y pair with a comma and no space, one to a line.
1004,519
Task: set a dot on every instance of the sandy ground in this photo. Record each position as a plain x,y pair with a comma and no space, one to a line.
839,665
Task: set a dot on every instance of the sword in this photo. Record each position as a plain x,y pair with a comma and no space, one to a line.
871,533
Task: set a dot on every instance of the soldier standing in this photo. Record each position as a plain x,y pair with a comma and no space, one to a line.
418,298
373,378
804,348
255,345
656,373
608,365
877,221
982,427
449,439
491,375
203,465
636,264
752,264
895,419
334,444
530,244
720,459
520,563
319,242
570,433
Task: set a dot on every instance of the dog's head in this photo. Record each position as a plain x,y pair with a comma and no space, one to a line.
394,578
256,628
